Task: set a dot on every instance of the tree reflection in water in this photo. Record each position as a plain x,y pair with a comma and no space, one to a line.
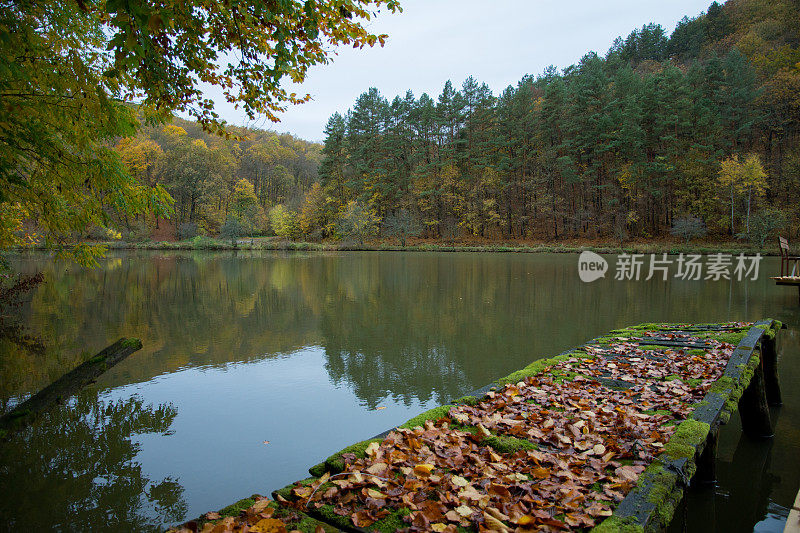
75,469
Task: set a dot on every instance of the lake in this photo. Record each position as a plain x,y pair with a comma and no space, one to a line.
257,365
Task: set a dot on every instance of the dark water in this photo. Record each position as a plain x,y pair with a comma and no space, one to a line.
312,352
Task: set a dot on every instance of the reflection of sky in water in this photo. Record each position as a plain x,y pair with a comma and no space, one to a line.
299,350
216,442
775,521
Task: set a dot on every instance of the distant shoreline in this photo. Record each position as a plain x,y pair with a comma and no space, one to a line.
261,243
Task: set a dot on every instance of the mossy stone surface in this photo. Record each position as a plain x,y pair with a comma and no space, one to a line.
467,400
537,367
615,524
390,523
508,444
235,508
687,437
432,414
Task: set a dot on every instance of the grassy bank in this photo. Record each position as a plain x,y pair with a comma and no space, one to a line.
261,243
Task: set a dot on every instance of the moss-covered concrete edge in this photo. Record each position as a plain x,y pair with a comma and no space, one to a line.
292,518
335,462
325,514
659,489
388,524
541,365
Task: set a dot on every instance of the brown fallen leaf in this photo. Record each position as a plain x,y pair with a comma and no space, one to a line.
423,470
362,519
259,506
495,524
269,525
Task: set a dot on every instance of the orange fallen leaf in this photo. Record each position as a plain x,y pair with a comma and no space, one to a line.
269,525
423,470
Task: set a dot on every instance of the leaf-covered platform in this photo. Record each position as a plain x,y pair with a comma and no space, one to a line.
604,437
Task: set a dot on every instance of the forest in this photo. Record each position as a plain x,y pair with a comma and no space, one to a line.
690,133
219,185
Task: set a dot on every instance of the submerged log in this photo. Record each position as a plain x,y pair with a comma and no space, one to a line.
67,385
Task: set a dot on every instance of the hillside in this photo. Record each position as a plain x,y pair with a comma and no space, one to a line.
629,144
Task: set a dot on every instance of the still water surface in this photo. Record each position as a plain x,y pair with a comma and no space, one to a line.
256,366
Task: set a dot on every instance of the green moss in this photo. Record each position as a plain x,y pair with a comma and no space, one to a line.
772,330
659,412
393,522
723,385
696,351
538,367
432,414
327,515
563,375
318,469
335,463
615,524
390,523
508,444
662,490
731,337
655,347
651,326
236,508
687,437
467,400
286,492
306,524
294,519
733,390
132,343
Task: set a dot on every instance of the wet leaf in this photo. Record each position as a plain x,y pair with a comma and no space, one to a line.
269,525
423,470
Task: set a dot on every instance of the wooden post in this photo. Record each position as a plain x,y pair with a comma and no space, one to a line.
707,462
769,358
754,409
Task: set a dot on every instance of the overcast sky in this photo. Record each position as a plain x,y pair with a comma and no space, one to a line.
497,42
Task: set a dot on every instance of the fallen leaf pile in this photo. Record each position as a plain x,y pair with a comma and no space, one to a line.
597,421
